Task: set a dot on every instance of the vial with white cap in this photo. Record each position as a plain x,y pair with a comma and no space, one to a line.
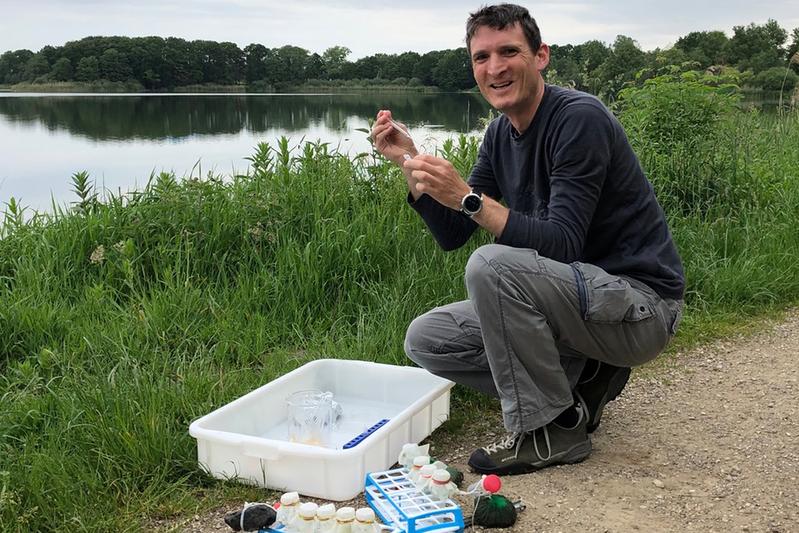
289,503
365,521
441,487
418,463
326,518
345,517
425,478
305,521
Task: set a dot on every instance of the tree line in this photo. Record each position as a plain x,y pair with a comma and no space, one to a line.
758,55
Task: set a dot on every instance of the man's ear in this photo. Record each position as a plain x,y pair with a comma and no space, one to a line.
542,57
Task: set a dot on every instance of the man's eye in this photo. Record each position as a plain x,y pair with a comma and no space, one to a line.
510,53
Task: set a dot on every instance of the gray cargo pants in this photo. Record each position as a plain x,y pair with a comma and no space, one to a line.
529,325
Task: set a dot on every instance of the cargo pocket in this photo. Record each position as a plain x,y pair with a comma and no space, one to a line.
609,299
676,307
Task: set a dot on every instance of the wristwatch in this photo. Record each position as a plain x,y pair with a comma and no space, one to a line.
471,204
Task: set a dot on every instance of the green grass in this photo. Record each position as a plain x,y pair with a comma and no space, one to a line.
205,289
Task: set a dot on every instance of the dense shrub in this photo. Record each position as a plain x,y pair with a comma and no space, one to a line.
679,130
777,79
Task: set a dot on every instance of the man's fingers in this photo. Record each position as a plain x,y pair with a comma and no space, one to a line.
434,162
424,165
381,133
429,180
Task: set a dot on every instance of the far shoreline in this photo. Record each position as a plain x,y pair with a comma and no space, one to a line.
131,88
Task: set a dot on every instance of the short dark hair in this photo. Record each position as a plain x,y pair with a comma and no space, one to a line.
500,17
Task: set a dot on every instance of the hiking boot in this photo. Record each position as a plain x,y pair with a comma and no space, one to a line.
519,453
598,385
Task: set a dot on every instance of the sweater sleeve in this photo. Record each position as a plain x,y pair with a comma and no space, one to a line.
452,229
580,150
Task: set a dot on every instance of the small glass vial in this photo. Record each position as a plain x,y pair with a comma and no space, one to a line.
441,487
345,517
326,518
425,478
289,503
418,463
305,521
365,521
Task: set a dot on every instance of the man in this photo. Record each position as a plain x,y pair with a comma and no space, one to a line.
584,280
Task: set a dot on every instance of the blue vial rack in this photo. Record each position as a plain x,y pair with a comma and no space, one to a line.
398,503
357,440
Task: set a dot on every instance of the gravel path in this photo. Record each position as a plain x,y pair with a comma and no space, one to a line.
708,443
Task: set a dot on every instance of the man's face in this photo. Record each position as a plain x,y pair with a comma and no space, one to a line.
506,70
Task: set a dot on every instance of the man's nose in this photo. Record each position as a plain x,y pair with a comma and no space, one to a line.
496,65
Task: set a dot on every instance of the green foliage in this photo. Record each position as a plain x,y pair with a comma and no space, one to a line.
756,47
793,51
676,126
84,189
668,112
88,69
453,71
12,66
334,59
705,47
114,66
625,59
62,70
777,79
579,66
36,67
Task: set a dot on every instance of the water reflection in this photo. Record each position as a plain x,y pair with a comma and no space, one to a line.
160,117
121,139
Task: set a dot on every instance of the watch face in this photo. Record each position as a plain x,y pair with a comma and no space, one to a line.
472,203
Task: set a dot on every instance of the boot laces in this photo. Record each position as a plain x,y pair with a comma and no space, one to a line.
506,443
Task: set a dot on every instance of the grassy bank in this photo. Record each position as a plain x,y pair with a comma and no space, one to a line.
77,87
125,320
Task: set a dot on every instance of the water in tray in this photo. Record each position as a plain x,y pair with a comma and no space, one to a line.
358,414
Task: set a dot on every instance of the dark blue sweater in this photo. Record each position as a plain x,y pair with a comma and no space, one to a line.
575,190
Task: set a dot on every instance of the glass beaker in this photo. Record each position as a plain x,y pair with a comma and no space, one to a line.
310,417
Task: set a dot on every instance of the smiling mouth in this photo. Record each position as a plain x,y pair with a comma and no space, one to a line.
500,85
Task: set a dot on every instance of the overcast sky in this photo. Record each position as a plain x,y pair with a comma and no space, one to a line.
369,27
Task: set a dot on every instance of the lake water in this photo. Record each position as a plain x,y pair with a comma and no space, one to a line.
121,139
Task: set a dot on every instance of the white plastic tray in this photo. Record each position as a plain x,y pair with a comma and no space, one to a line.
247,438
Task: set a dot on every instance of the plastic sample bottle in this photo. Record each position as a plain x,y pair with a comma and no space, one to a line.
418,463
409,451
405,459
365,521
441,487
305,521
345,517
425,478
487,484
440,465
326,518
289,503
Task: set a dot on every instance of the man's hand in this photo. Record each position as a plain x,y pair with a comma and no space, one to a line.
438,178
390,142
